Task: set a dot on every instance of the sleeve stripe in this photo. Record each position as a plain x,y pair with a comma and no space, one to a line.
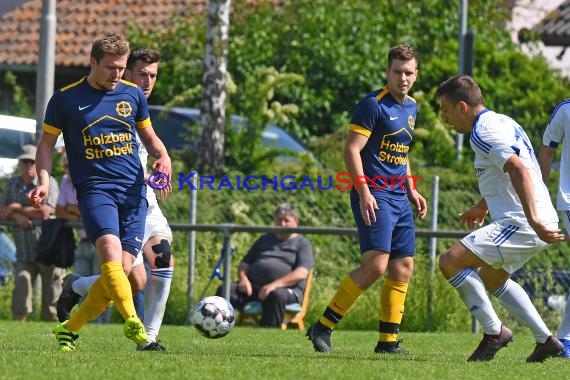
358,129
51,129
553,144
476,139
144,123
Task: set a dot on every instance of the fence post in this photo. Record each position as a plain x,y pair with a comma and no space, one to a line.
227,262
192,250
432,247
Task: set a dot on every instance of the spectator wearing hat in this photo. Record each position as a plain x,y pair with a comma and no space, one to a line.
15,205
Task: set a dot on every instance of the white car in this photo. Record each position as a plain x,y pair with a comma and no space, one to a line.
15,132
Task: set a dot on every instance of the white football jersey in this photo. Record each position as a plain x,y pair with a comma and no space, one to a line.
143,156
495,138
558,132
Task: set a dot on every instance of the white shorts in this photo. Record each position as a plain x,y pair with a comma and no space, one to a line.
155,225
505,243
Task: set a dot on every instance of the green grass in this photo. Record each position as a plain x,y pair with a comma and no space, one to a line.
29,351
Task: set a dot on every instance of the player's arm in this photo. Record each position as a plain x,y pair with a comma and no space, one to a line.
414,195
354,144
44,166
157,150
545,157
522,183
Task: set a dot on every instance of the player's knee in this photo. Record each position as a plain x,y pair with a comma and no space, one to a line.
163,254
446,264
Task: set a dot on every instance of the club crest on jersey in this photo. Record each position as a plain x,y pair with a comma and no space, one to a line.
411,122
123,108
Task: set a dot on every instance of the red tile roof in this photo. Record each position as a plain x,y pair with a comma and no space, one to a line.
79,23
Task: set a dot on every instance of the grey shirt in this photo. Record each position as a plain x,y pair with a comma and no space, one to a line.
270,258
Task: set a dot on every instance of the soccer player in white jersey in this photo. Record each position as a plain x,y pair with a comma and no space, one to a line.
558,132
512,193
142,69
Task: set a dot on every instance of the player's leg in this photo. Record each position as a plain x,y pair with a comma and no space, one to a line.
101,216
459,266
516,250
375,243
157,251
138,280
395,288
132,213
563,333
158,256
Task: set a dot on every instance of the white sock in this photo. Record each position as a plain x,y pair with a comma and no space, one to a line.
564,329
474,296
82,285
513,297
155,297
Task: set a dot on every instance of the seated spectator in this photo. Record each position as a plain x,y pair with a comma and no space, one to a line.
274,271
15,205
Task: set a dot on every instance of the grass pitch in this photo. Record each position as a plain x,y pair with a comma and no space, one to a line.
29,351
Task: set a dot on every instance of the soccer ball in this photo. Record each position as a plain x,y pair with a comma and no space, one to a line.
214,317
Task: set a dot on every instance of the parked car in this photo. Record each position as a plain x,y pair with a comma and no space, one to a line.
15,132
179,128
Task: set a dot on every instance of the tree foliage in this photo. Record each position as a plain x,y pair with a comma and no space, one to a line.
340,47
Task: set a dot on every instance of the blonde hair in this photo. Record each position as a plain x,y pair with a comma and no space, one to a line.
113,44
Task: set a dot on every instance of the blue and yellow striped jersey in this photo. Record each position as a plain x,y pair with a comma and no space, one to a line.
98,129
389,126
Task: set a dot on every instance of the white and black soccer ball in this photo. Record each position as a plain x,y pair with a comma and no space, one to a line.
214,317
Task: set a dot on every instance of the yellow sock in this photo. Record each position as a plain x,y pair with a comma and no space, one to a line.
392,309
95,303
118,287
346,295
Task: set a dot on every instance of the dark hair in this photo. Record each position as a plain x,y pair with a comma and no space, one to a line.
146,55
402,53
113,44
286,209
460,88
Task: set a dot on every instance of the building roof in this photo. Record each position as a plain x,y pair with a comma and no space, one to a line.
554,29
79,23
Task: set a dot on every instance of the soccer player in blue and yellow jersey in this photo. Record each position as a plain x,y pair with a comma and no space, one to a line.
98,116
376,155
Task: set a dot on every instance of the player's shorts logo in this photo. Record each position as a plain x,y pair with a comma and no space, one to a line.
123,108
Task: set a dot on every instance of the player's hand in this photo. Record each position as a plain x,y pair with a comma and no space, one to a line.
547,235
163,183
368,207
419,203
474,217
38,195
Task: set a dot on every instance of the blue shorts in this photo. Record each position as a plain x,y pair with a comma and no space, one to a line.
394,230
104,212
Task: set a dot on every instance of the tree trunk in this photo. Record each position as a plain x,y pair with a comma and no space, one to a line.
213,104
